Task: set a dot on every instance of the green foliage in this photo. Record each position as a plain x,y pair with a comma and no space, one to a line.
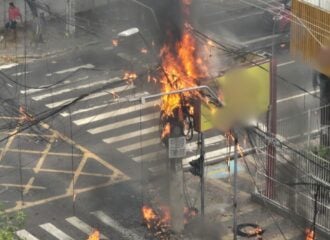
323,152
9,224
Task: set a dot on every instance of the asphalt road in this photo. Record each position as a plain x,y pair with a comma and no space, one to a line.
88,163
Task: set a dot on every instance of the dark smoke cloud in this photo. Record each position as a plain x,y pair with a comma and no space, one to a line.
169,14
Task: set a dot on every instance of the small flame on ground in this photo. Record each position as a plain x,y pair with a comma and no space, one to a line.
115,42
130,76
310,234
95,235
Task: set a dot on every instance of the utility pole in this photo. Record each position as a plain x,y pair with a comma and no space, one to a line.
70,25
272,119
235,187
176,152
202,175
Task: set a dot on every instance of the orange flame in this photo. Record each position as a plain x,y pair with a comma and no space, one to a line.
310,234
130,76
183,69
149,215
166,130
95,235
115,42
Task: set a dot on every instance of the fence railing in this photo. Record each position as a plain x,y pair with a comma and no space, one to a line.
298,177
307,128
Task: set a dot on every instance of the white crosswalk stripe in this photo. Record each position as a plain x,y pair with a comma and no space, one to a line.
73,69
66,90
131,134
25,235
82,226
127,233
115,101
124,123
92,96
54,231
77,227
114,113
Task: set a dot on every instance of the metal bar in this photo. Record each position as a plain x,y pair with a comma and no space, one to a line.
235,190
202,160
213,94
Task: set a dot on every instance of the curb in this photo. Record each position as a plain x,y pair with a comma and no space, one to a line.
56,52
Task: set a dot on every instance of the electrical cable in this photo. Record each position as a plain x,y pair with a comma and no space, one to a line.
242,54
4,76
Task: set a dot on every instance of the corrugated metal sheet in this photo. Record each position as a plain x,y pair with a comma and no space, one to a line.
309,31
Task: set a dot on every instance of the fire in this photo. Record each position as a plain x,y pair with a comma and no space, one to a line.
182,70
115,42
149,215
310,234
95,235
182,67
130,76
166,131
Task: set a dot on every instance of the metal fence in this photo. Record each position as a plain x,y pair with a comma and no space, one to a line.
299,176
307,129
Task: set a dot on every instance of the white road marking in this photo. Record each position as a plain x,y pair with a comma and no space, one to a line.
135,146
108,48
82,226
88,66
69,89
285,63
126,136
191,146
7,66
57,233
92,96
115,113
297,96
25,235
131,121
213,155
261,39
127,233
20,74
30,91
147,157
115,101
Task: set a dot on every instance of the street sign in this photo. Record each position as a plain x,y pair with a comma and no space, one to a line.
177,147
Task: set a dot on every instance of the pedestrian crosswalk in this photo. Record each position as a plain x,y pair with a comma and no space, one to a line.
73,227
109,116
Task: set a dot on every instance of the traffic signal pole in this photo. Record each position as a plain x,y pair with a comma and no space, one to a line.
202,177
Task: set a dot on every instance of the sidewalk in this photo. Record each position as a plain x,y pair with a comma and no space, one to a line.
55,42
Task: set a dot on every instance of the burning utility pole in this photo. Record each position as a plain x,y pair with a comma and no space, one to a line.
182,68
176,152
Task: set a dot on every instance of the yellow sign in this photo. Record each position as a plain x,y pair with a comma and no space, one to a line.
245,93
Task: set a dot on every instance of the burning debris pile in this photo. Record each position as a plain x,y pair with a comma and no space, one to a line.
158,221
